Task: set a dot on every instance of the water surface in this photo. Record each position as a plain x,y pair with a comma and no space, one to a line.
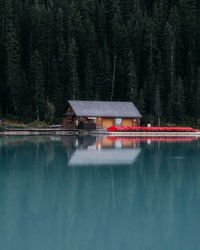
99,193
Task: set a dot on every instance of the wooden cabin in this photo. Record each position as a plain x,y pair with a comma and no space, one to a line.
100,115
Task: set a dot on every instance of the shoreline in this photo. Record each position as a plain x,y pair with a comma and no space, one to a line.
34,131
50,131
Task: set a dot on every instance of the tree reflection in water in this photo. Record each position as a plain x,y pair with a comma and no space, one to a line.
151,203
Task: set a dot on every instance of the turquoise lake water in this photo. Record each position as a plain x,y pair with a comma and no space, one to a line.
98,193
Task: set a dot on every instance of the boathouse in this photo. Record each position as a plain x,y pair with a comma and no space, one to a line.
100,114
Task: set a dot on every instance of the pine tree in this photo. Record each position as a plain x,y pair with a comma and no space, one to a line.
3,57
180,111
99,77
73,74
197,99
44,39
107,73
101,24
37,86
157,104
140,105
132,80
169,111
177,101
26,95
50,112
25,37
55,88
117,31
89,92
169,58
13,69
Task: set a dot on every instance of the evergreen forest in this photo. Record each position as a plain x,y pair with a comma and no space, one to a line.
144,51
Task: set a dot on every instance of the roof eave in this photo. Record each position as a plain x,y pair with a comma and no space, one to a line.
103,116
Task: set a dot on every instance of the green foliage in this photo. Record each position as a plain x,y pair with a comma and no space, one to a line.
89,92
55,88
50,112
157,104
13,69
74,87
37,124
37,86
141,103
179,101
2,128
132,80
60,50
197,96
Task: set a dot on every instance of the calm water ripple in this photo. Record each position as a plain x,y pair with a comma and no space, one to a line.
99,193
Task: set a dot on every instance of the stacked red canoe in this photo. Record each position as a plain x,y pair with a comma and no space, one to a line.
151,129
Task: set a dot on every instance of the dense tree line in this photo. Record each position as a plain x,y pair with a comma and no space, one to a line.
143,51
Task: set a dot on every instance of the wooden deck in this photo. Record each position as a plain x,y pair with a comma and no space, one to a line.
46,131
155,134
103,132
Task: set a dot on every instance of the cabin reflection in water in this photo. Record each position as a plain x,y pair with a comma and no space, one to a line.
92,151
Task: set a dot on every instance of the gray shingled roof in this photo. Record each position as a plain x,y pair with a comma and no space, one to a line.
104,109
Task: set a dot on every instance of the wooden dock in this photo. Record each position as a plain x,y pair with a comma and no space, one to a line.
60,131
45,131
155,134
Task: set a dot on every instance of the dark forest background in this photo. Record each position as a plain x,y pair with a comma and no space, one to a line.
143,51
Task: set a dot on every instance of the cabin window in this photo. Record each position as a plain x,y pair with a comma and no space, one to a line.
92,119
118,121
